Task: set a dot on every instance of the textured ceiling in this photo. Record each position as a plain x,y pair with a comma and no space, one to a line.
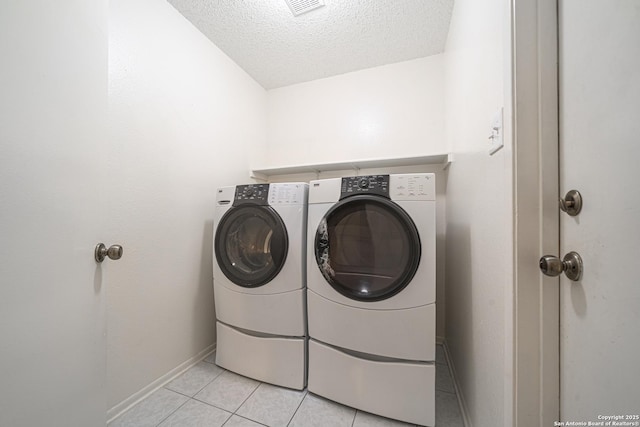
278,49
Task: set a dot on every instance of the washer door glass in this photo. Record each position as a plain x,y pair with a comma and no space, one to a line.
367,248
251,245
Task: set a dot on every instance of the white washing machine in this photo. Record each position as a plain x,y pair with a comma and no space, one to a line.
259,273
371,286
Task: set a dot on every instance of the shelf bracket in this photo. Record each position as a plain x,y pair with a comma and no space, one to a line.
259,176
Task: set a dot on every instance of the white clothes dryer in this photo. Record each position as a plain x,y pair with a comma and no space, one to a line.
371,293
259,273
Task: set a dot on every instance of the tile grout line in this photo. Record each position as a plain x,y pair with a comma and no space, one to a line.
226,421
224,409
212,380
248,419
194,394
213,406
173,412
177,392
306,393
216,406
245,400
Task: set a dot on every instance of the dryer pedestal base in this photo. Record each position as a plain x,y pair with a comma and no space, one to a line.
275,360
401,334
403,391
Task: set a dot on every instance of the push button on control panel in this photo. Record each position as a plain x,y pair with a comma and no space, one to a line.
252,193
369,184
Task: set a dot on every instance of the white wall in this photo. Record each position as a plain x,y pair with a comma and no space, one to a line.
389,111
479,210
395,110
184,119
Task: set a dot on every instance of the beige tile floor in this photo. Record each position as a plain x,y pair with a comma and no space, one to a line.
207,395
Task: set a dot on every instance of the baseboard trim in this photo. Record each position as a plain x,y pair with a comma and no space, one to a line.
137,397
452,370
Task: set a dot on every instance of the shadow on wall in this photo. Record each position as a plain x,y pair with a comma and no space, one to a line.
204,296
97,279
459,299
441,248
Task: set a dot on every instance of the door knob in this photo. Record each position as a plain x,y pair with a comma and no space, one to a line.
571,265
572,203
114,252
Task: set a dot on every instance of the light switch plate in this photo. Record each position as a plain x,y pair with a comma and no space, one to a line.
495,137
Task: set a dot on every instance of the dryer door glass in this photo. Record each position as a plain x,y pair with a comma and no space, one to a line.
367,248
251,245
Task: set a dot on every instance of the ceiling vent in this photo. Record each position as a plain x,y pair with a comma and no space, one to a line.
298,7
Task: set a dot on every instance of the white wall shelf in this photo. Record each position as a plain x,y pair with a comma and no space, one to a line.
442,160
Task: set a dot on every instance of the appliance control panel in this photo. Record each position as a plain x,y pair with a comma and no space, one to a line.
418,186
256,194
294,193
367,184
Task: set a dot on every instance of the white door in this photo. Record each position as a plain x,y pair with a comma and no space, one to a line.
53,99
599,81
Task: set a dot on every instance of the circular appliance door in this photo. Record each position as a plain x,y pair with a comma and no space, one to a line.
367,248
251,245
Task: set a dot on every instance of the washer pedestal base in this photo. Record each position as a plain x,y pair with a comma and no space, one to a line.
275,360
